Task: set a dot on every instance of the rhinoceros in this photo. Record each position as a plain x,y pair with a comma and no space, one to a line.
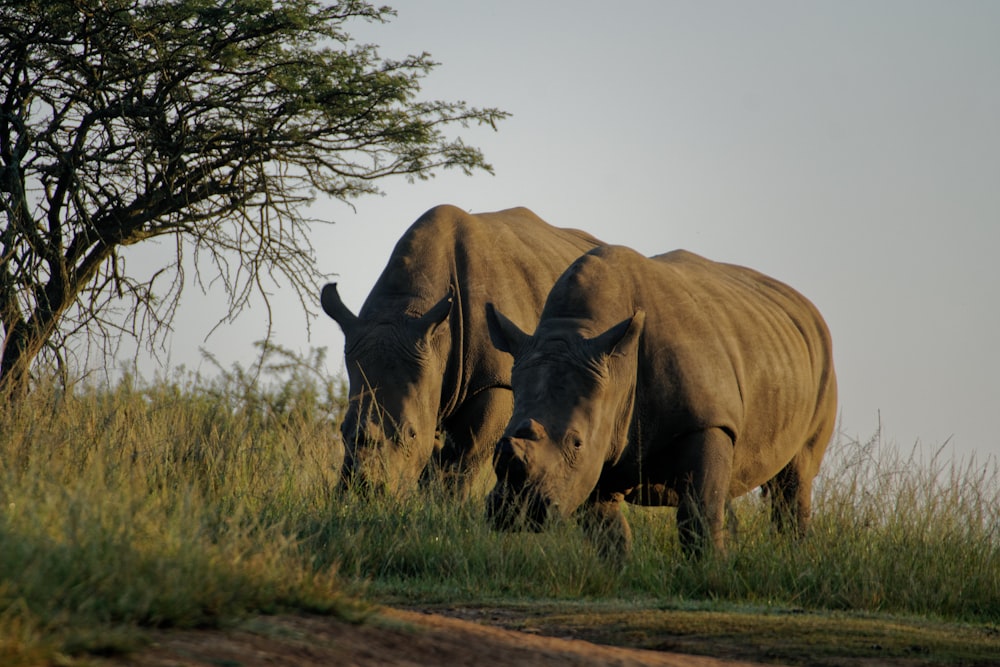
673,380
418,356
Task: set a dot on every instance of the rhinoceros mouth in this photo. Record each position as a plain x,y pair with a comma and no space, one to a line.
513,512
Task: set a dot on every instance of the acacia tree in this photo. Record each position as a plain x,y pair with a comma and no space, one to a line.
212,123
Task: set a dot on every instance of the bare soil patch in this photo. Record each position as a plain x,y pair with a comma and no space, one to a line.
392,637
578,634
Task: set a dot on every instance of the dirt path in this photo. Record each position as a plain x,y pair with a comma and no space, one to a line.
394,637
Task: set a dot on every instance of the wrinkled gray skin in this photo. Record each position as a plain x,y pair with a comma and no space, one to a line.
418,355
673,381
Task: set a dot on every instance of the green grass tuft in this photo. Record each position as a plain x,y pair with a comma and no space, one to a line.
194,502
165,504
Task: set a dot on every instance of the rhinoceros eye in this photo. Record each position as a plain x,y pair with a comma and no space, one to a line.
572,448
574,440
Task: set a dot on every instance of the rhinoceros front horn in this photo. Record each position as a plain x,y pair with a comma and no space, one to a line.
335,308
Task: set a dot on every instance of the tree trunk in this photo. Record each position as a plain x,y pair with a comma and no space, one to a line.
25,340
19,351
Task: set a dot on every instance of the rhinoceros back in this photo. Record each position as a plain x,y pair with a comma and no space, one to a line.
510,258
723,346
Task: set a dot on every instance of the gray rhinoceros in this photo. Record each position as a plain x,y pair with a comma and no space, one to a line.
672,380
418,355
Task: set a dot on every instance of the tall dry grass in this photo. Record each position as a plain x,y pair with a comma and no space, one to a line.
892,532
192,501
162,503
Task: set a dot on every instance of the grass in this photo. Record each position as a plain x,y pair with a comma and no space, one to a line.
890,534
158,505
433,555
194,502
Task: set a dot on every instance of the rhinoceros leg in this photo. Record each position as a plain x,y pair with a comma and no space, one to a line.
706,464
607,528
474,431
791,495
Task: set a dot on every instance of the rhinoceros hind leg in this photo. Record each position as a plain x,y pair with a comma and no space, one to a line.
791,488
791,498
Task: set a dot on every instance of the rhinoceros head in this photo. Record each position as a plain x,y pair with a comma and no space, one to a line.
573,400
395,367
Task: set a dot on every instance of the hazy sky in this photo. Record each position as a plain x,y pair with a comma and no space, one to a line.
850,149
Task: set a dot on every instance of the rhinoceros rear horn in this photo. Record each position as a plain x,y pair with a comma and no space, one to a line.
506,336
335,308
621,338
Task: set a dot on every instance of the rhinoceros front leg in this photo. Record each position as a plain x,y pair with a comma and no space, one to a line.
474,430
607,528
705,465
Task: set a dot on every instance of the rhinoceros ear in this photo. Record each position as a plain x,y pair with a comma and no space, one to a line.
506,335
438,313
620,339
335,308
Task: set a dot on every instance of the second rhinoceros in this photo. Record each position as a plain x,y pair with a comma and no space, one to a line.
418,355
672,380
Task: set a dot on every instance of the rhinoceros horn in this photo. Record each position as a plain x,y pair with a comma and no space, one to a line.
336,309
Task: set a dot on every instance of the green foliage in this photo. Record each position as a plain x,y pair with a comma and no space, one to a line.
193,501
213,123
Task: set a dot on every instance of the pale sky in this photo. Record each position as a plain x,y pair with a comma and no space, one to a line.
849,149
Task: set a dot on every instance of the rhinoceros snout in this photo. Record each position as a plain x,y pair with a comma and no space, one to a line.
350,474
513,505
510,510
361,468
529,429
509,463
362,433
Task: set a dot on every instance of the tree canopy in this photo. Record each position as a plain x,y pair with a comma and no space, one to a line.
211,123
